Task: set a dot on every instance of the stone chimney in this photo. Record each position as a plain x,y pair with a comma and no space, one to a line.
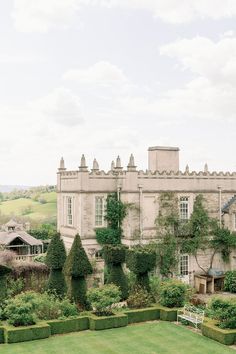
62,165
131,165
95,165
163,158
83,167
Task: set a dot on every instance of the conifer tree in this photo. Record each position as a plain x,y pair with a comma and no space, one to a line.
77,266
55,259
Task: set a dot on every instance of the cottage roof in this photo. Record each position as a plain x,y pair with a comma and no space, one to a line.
7,237
226,207
11,223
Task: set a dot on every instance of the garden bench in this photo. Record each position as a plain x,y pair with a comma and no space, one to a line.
191,314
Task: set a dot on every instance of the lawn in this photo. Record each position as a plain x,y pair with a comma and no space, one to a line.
147,338
36,210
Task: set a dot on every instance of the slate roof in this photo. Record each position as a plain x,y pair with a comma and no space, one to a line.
226,207
7,237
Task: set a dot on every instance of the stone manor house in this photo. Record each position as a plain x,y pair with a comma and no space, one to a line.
82,194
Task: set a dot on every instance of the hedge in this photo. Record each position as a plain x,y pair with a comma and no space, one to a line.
142,315
224,336
2,335
98,323
23,334
167,314
68,325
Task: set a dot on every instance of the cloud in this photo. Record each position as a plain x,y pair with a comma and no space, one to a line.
43,15
212,60
102,73
60,106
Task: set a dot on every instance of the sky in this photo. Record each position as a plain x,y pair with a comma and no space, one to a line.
114,77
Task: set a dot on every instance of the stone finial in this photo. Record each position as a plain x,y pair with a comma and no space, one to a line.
112,165
131,165
95,165
206,168
62,165
187,168
83,166
118,164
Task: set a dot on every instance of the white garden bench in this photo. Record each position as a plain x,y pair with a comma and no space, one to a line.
191,314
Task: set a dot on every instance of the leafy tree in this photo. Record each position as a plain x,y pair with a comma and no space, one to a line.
77,266
114,256
55,259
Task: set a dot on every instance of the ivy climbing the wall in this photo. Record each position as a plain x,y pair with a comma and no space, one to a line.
115,213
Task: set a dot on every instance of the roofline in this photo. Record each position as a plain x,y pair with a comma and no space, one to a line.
163,148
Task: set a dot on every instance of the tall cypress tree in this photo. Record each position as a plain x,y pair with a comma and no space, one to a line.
55,259
77,266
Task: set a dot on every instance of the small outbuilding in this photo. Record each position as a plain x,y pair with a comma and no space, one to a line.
14,237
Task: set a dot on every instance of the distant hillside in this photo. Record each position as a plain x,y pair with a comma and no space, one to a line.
38,204
10,188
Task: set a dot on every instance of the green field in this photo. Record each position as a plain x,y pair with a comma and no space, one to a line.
148,338
31,208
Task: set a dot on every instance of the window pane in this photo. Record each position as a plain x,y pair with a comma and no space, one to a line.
99,207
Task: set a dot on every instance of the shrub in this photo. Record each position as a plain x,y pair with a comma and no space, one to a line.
103,298
230,281
139,298
15,335
119,320
141,260
155,284
4,270
56,283
26,308
77,266
173,293
142,315
224,311
69,325
114,256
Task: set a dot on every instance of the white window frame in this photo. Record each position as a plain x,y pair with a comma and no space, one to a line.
69,211
184,264
184,208
99,211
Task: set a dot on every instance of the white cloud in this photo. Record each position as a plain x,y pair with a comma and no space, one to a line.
61,106
102,73
43,15
40,16
212,60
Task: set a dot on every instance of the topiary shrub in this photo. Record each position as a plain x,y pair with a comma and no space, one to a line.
55,259
141,260
103,298
108,235
77,266
230,281
173,293
114,256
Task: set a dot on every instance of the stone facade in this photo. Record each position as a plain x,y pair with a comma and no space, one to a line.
81,191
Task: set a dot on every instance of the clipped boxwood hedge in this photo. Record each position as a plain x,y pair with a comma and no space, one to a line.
98,323
2,335
224,336
168,314
23,334
68,325
142,315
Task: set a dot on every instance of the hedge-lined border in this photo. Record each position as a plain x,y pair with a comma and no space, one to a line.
224,336
168,314
68,325
99,323
23,334
142,315
2,339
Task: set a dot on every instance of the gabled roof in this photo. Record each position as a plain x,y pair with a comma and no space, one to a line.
7,237
226,207
11,223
